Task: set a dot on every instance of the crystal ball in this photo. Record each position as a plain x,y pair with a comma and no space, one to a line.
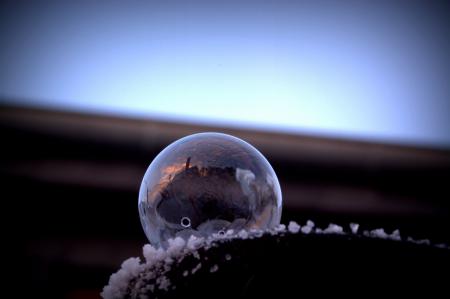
208,183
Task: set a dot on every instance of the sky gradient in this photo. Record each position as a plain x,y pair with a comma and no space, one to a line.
366,71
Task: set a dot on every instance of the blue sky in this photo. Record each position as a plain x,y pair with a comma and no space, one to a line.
365,71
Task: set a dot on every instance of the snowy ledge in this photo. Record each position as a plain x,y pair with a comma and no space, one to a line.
137,279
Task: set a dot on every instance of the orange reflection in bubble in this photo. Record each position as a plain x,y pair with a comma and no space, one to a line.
167,174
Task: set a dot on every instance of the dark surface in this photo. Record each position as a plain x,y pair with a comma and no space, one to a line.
298,265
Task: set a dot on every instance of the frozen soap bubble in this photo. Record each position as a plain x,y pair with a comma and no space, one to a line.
208,183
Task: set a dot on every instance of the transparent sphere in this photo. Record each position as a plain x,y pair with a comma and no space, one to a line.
208,183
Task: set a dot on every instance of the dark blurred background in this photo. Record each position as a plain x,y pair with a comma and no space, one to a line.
349,102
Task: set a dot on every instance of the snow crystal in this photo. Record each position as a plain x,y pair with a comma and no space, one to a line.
175,246
194,242
167,267
132,265
379,233
168,260
420,242
196,254
185,273
214,269
293,227
243,234
228,257
354,227
395,235
306,229
153,255
423,241
118,282
196,268
163,282
333,229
